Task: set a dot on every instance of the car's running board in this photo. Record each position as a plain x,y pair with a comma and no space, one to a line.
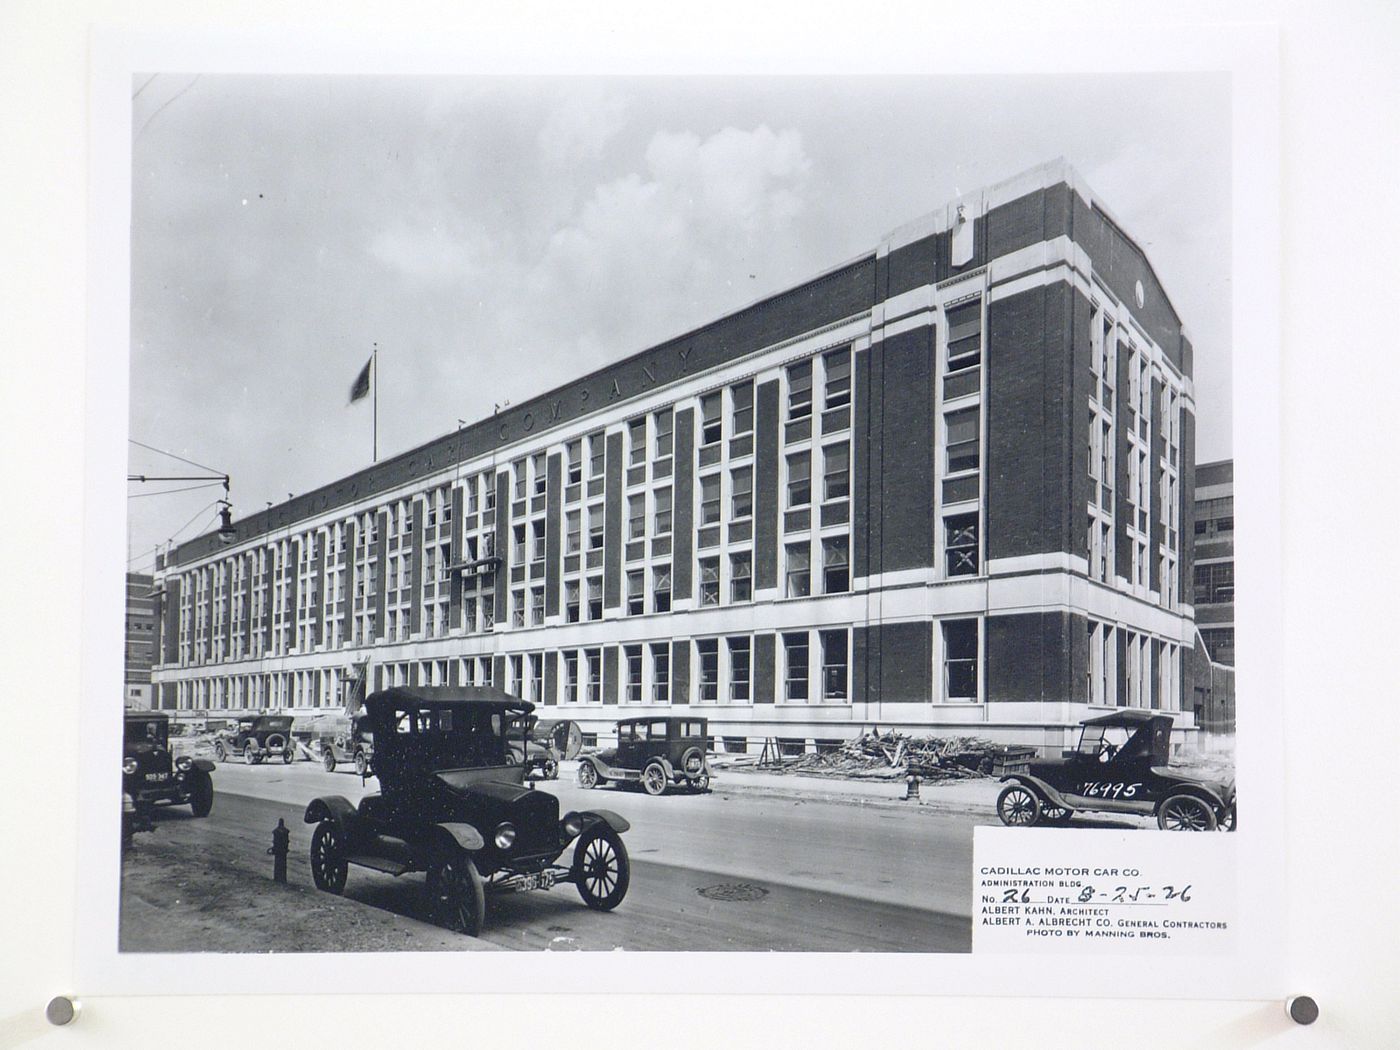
384,864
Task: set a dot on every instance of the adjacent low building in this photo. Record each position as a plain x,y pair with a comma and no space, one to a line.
945,486
140,640
1213,596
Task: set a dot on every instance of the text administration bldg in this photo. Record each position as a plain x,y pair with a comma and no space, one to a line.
941,486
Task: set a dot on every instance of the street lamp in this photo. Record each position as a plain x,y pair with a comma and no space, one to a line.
227,533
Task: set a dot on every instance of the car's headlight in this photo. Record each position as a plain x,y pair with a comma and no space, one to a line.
128,766
505,836
184,764
573,824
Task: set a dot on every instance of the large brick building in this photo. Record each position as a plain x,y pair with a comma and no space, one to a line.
140,640
944,485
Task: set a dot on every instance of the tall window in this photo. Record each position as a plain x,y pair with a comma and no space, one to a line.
960,544
740,669
596,447
799,488
711,418
571,601
537,537
799,390
575,453
541,476
637,442
709,581
795,665
636,516
636,592
664,422
662,521
707,651
837,471
536,606
517,608
660,672
965,335
517,555
573,528
571,676
595,527
960,660
518,472
661,588
633,656
964,440
838,378
741,418
594,658
836,565
835,661
741,492
595,597
799,570
709,499
740,577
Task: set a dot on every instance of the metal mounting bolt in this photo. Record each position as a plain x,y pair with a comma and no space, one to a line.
1302,1009
62,1010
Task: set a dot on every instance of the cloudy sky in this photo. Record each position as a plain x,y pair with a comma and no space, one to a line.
496,236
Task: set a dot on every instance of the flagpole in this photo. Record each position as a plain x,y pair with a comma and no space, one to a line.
374,387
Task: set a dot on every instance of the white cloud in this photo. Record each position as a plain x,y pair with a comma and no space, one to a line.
648,255
431,253
582,125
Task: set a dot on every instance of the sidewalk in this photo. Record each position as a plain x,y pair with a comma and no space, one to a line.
973,795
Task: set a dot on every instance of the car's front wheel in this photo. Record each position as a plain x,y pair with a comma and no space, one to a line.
290,755
1185,813
250,755
328,866
456,894
601,870
361,764
220,752
1227,823
551,769
1018,806
587,775
201,795
1058,816
654,779
328,760
700,782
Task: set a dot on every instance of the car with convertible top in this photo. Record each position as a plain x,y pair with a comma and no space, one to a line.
1122,764
454,805
257,738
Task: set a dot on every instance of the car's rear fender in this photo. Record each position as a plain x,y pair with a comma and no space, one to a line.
665,764
445,837
330,807
1040,787
1199,791
613,820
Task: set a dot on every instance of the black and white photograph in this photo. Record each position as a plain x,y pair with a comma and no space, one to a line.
665,513
623,522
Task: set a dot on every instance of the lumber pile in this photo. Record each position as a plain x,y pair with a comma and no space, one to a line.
891,756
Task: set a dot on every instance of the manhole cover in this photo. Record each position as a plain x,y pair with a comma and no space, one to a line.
733,891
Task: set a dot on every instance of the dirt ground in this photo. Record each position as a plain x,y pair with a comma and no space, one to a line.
217,897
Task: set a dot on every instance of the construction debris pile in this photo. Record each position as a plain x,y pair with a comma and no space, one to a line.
891,756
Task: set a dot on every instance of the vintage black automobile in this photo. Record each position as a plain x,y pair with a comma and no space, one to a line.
1120,766
452,805
152,776
257,738
655,752
354,743
542,751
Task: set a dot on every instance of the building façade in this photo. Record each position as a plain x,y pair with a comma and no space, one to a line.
942,487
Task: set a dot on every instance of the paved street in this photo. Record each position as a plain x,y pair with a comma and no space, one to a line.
781,873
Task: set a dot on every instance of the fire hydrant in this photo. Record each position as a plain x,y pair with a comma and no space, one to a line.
281,842
911,787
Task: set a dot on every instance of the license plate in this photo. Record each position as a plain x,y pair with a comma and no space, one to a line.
157,776
541,880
